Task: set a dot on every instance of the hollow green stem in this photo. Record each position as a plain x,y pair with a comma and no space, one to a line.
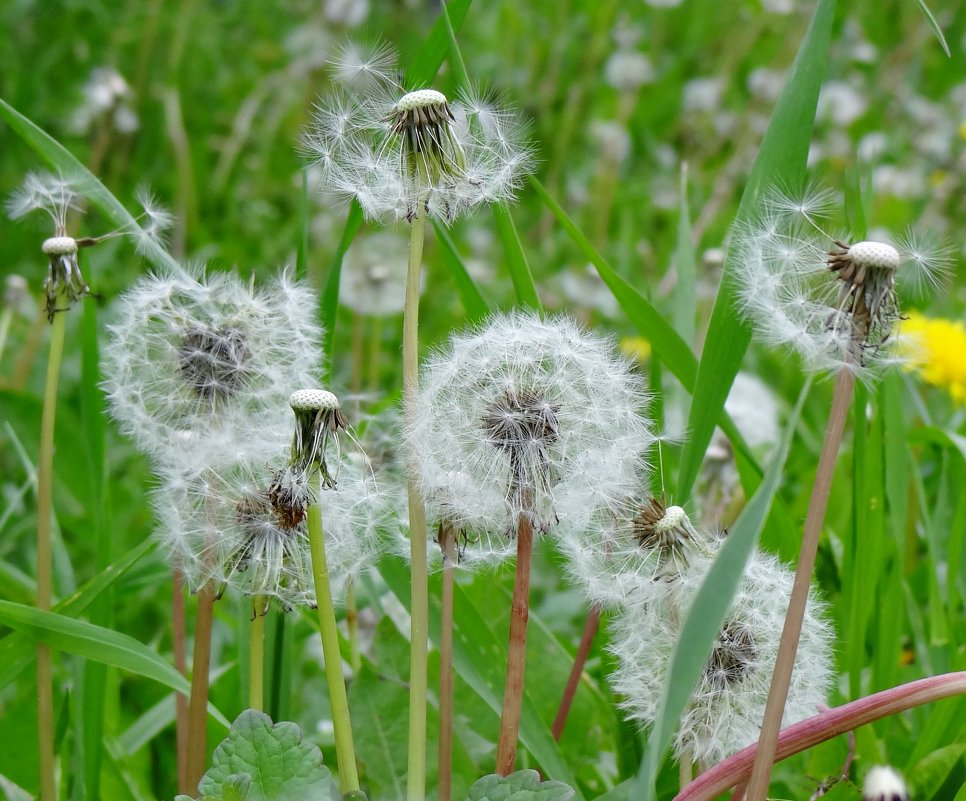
344,750
5,317
256,654
45,476
419,610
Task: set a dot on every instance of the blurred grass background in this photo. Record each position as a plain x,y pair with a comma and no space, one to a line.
216,97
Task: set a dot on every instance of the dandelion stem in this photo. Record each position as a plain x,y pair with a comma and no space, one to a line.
824,726
791,631
583,651
447,542
256,654
344,750
419,607
198,704
180,700
6,316
45,511
352,624
506,750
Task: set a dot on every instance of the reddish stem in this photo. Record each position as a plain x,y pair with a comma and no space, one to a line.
506,750
198,704
447,542
583,651
825,726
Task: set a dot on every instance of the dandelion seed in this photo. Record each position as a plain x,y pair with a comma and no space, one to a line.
403,154
107,96
373,276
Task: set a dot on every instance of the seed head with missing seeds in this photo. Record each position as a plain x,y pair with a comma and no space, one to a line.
403,154
834,302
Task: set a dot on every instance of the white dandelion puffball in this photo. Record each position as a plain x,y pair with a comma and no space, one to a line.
833,302
884,783
244,528
725,710
407,154
527,416
192,355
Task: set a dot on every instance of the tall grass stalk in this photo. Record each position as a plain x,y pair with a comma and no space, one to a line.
419,610
45,511
791,631
344,749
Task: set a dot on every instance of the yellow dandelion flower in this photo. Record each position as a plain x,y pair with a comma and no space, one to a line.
936,351
636,348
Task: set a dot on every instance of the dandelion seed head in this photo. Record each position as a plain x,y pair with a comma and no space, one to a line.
203,355
724,711
313,400
883,783
527,416
834,302
403,154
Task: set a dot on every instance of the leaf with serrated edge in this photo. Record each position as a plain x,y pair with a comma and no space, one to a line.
524,785
282,767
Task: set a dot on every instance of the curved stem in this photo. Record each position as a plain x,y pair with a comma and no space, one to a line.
419,608
825,726
344,750
45,503
791,631
256,654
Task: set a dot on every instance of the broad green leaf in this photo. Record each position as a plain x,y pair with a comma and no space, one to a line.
425,66
97,643
330,294
474,647
937,775
781,162
524,785
15,655
473,303
271,760
709,610
62,161
516,259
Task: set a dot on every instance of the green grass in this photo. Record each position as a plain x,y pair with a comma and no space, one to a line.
217,141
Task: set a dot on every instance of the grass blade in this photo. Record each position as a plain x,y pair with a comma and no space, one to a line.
425,66
516,259
473,303
15,653
935,26
709,610
98,644
781,162
330,294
